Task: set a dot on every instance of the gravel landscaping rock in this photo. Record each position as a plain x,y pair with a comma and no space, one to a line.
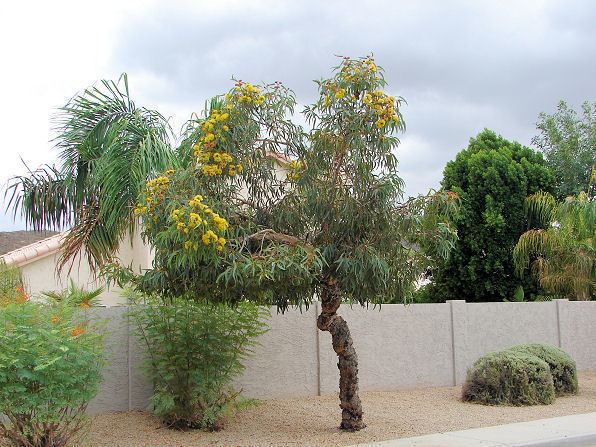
313,421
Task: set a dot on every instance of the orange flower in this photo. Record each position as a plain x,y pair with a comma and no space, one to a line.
79,330
22,297
85,304
55,319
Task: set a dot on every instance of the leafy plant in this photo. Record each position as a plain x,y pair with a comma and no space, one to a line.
562,256
12,289
492,176
196,350
50,368
75,296
562,366
518,296
511,378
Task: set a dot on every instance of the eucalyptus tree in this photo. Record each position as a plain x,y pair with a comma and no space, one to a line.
568,141
108,148
230,227
561,248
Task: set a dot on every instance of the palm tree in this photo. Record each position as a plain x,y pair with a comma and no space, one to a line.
563,255
108,148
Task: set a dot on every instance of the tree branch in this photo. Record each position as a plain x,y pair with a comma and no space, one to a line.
270,235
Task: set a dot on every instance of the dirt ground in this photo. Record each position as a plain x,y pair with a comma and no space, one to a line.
313,421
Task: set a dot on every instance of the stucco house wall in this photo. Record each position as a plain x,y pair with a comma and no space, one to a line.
38,262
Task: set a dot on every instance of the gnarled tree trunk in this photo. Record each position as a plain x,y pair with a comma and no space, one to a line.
351,416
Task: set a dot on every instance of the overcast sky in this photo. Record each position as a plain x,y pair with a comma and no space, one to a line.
461,65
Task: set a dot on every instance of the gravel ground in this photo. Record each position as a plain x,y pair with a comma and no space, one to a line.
313,421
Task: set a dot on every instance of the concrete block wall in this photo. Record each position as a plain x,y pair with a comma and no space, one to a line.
488,327
577,331
286,361
398,347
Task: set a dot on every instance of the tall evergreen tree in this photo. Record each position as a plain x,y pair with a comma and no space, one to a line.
493,176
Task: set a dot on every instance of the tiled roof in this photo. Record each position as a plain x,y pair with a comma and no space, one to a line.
36,250
11,240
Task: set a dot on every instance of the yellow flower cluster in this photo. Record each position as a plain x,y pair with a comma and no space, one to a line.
211,238
353,72
214,161
359,76
156,189
245,93
295,169
333,91
220,223
384,107
359,70
199,215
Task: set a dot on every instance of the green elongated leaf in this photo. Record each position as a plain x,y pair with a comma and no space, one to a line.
47,364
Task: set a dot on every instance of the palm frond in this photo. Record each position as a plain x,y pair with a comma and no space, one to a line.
74,296
43,199
108,148
540,209
562,256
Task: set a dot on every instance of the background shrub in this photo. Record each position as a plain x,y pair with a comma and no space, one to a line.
509,377
50,368
12,289
195,352
562,366
492,176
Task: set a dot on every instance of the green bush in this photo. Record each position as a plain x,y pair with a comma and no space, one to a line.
562,366
50,368
508,377
195,352
427,294
12,289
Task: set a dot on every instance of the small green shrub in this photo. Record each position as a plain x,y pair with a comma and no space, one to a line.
512,378
195,352
562,366
50,368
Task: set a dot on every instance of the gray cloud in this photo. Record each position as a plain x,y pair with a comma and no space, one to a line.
461,65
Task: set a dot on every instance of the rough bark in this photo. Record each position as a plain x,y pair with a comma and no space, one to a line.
328,320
